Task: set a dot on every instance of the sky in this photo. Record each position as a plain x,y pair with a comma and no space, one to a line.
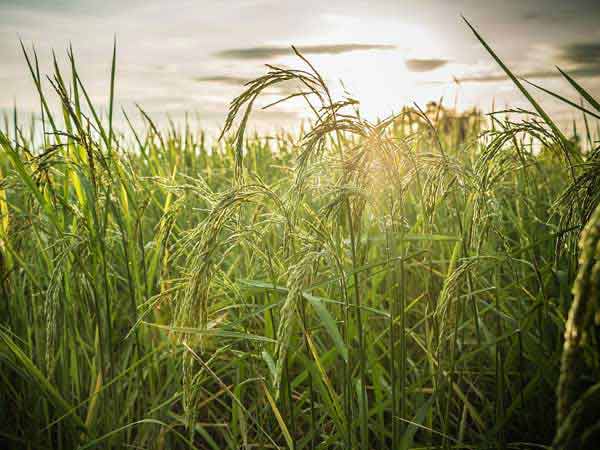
193,57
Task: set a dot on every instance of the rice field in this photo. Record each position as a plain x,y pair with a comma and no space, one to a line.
403,284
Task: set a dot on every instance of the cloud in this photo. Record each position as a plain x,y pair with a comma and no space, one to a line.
579,60
273,52
223,79
425,65
587,53
587,71
533,16
580,72
561,11
496,77
550,17
282,88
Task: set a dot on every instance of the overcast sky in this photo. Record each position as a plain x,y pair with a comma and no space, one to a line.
193,56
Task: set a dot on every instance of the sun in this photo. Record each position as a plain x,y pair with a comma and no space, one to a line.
380,80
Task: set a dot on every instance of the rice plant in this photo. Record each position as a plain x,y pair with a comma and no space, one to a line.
399,284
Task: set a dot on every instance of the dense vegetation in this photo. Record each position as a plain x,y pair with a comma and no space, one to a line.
399,284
